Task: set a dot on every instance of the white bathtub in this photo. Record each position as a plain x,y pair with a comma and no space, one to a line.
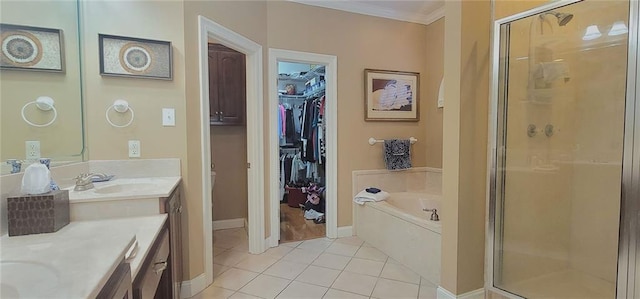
401,229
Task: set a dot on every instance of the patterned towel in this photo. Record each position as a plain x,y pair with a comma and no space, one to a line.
397,154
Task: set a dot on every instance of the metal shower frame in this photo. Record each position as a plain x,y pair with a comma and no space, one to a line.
628,273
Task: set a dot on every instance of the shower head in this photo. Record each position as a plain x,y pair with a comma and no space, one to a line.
563,18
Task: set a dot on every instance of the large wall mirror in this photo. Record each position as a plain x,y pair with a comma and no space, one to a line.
31,71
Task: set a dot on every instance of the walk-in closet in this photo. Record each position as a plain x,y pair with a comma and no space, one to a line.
302,142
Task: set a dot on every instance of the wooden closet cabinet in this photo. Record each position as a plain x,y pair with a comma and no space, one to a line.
227,86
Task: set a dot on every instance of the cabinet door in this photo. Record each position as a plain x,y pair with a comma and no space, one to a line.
173,206
176,236
214,109
231,87
227,85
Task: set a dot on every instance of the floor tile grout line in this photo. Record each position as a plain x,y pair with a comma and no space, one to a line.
307,266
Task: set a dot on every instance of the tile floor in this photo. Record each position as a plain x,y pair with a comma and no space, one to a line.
318,268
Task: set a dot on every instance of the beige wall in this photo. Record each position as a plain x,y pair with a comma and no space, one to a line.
152,20
363,42
229,154
20,87
467,33
247,18
435,73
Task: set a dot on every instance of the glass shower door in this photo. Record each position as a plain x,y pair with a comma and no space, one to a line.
560,136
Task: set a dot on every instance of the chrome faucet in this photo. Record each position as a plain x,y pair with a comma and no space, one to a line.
85,180
434,214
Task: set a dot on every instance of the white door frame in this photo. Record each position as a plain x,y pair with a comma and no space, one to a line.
331,118
255,148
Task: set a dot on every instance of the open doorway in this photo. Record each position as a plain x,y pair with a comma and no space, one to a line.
303,137
302,152
227,101
208,30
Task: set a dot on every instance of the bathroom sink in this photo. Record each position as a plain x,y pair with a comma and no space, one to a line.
22,279
127,187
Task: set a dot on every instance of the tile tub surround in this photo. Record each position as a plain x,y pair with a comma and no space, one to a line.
418,246
83,254
413,242
420,179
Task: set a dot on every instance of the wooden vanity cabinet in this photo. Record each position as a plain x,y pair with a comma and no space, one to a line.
153,269
160,275
172,280
119,284
227,85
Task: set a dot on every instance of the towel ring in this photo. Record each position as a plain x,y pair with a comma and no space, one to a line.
120,106
43,103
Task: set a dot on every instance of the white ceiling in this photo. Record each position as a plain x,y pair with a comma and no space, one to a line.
415,11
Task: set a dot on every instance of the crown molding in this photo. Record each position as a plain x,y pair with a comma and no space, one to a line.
376,11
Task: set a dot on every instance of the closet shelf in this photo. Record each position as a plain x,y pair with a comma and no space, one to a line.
292,96
313,73
314,94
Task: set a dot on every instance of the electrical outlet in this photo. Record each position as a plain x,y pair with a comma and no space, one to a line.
32,150
134,148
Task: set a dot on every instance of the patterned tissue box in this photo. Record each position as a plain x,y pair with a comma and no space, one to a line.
36,214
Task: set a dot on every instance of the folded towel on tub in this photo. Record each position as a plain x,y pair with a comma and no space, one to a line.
364,196
397,154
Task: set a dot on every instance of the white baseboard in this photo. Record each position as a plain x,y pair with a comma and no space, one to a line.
192,287
229,223
444,294
271,242
345,231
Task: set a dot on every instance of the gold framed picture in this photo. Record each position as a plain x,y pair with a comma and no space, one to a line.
135,57
391,95
31,48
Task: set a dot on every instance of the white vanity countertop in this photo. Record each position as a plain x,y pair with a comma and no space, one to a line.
83,255
126,188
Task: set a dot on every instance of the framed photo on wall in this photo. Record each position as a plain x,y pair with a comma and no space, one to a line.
31,48
134,57
391,95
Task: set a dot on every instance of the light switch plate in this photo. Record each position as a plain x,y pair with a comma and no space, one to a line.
168,117
134,148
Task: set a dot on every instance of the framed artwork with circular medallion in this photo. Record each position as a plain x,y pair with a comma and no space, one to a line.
134,57
31,48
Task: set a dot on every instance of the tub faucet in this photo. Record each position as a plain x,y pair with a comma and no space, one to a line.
434,214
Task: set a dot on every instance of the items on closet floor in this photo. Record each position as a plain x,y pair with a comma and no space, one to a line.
293,226
309,198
